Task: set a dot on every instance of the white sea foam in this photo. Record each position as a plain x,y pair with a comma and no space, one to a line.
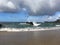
28,29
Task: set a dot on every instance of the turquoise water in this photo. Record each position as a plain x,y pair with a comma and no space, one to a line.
18,25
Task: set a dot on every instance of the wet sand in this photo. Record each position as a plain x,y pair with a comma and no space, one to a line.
30,38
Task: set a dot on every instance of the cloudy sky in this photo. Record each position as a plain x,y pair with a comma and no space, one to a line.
29,10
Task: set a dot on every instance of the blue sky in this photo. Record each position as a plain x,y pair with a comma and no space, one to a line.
13,17
23,16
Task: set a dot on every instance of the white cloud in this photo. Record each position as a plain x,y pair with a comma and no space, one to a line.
41,7
50,18
11,5
6,5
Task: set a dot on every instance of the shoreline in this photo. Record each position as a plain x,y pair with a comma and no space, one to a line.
28,29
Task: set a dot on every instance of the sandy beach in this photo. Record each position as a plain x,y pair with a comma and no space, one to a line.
48,37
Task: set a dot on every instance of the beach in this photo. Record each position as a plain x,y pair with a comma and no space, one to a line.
30,36
47,37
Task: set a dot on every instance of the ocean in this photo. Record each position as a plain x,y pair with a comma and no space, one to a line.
19,27
22,25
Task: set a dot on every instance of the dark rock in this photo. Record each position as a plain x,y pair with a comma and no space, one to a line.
31,23
0,25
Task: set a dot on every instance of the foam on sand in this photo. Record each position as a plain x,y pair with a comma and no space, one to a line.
28,29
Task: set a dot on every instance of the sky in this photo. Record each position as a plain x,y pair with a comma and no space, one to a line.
29,10
16,17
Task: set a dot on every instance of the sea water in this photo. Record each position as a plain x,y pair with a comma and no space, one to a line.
13,27
19,25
